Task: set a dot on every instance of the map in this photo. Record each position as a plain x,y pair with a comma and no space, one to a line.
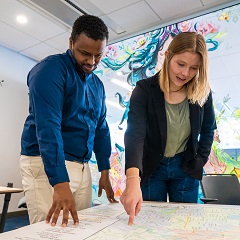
168,221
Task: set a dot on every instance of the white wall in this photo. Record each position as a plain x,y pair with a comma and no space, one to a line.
13,111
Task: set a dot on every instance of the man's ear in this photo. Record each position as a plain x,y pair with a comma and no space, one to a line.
70,43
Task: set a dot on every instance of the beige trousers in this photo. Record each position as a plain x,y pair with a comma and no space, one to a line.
39,193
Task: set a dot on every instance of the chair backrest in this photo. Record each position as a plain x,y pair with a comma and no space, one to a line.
224,187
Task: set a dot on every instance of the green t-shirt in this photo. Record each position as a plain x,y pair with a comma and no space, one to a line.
178,127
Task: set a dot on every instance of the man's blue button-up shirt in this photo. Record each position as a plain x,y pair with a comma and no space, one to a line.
66,119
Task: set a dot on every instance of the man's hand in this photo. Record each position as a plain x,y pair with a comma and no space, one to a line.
104,183
62,200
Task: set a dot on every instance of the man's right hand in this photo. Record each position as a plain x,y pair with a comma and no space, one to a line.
62,200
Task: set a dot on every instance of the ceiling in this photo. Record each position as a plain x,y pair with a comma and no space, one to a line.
49,21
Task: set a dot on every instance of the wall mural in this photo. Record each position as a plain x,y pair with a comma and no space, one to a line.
140,57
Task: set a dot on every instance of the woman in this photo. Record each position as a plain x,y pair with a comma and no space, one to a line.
170,129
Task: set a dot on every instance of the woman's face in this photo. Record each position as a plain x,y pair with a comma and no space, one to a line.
182,68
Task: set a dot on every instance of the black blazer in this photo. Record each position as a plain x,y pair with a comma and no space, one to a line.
145,137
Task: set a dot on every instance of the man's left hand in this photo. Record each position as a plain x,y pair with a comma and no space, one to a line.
104,183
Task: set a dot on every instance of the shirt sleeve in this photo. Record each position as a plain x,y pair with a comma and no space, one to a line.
102,142
46,91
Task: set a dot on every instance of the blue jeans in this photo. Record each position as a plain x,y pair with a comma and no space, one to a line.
169,179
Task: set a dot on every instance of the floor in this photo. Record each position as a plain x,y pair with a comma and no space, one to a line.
13,223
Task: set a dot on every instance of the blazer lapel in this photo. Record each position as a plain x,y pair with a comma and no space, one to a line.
159,106
194,120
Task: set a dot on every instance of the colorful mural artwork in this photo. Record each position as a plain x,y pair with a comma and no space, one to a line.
140,57
117,175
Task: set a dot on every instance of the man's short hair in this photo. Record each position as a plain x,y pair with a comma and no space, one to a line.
92,26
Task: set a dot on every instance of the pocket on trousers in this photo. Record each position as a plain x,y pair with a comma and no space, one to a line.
36,167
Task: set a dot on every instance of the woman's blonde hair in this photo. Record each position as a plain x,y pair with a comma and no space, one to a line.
198,88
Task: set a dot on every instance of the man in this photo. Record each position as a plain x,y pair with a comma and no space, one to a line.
66,122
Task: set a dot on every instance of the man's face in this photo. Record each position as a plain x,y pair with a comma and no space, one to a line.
87,52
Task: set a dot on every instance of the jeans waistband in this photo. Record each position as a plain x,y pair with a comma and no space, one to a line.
176,155
179,154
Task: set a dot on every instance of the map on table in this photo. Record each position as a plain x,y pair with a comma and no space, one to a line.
155,221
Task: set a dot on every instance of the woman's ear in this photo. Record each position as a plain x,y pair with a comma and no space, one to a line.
166,53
